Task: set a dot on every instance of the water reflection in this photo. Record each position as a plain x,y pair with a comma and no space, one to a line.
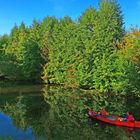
58,117
20,116
7,129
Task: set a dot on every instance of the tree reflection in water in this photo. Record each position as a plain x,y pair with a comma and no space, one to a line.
58,117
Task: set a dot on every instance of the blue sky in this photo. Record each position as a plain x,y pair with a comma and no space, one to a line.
16,11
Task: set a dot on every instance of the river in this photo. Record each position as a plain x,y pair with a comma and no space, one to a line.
25,115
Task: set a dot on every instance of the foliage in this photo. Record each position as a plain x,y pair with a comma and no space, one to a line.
62,47
31,63
22,55
130,50
110,74
68,103
93,52
86,52
18,112
109,68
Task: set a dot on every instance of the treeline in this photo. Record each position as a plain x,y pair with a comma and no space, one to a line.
93,52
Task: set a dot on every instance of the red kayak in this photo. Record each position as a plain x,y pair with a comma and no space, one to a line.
112,120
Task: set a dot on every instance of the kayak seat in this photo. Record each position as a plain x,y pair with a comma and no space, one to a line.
111,118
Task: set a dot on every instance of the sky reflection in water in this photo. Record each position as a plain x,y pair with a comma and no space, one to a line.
7,129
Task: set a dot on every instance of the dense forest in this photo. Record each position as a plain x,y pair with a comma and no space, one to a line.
93,52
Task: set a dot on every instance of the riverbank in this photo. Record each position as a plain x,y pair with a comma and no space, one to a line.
21,89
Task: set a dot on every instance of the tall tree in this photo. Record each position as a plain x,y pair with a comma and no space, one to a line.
109,31
85,46
4,40
130,50
61,51
47,27
109,26
31,65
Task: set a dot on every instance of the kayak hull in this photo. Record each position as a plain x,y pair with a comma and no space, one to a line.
111,119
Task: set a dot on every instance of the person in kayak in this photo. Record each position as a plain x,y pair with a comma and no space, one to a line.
90,112
129,117
103,112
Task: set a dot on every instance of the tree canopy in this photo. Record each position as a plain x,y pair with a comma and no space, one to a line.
93,52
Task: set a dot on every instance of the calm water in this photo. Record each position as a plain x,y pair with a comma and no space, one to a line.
27,116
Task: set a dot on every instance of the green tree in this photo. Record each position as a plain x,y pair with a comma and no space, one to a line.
47,27
61,51
109,68
110,74
130,50
35,32
32,61
85,47
4,40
